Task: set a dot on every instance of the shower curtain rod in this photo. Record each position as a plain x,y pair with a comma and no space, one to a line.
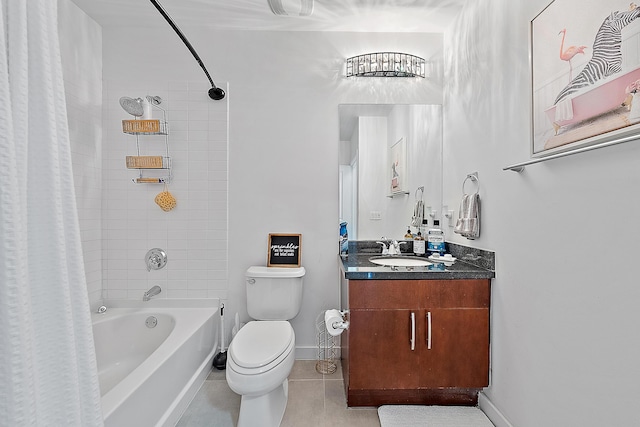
215,93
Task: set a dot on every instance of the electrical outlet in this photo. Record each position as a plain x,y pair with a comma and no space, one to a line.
375,215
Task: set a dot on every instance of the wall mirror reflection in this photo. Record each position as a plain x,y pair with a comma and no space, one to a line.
369,137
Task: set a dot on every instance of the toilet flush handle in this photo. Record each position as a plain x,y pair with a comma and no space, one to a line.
251,281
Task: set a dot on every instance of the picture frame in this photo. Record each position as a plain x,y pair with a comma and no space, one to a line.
284,250
573,102
398,167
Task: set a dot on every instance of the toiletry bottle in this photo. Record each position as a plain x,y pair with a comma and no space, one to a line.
418,244
408,235
435,238
344,240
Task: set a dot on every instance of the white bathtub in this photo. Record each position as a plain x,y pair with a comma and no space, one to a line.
149,375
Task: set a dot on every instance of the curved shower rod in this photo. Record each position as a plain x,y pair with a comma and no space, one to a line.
215,93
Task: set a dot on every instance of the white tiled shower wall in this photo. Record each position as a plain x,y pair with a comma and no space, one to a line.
119,221
194,234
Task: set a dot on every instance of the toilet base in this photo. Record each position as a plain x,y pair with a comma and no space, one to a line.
265,410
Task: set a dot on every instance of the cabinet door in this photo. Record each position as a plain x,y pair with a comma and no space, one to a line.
455,352
380,354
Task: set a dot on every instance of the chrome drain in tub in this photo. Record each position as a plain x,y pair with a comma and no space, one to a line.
151,322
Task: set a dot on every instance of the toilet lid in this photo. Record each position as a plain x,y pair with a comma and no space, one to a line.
259,343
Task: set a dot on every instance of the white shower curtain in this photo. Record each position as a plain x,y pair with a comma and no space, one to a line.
47,358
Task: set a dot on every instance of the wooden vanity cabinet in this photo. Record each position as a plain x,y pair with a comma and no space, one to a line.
416,341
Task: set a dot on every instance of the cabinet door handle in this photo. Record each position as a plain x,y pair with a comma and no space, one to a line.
428,330
413,331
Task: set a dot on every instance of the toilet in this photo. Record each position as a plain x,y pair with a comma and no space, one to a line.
261,355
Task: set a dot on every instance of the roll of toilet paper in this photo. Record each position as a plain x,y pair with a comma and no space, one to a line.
334,322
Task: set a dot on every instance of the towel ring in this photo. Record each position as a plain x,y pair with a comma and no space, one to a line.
421,189
473,177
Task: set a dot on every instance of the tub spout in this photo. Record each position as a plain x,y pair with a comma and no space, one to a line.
155,290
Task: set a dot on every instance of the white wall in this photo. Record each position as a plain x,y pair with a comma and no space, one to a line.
565,345
81,51
420,127
373,177
284,92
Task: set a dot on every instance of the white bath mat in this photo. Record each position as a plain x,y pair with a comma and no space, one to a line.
432,416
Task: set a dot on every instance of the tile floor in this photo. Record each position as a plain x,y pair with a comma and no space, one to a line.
315,400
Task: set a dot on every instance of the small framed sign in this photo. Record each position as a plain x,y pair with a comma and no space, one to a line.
284,250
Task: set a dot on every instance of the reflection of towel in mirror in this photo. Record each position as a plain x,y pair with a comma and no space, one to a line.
418,214
468,224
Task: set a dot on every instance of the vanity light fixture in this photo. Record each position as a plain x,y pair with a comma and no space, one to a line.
291,7
386,64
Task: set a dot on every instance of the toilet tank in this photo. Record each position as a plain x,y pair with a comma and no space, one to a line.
274,293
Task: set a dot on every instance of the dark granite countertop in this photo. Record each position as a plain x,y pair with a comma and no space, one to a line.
356,266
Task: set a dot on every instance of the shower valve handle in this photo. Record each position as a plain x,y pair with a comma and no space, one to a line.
156,259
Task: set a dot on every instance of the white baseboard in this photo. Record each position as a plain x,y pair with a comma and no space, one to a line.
306,353
492,412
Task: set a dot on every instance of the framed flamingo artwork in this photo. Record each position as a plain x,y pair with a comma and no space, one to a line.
585,74
398,167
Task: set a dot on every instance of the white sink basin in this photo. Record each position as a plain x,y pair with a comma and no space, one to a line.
399,261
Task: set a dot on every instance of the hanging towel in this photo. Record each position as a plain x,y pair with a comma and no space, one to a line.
468,224
418,214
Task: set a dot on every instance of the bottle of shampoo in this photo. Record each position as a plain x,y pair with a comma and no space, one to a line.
435,239
408,234
419,244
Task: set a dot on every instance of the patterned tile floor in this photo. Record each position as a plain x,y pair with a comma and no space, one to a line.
315,400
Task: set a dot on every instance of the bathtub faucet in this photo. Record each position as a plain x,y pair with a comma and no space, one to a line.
155,290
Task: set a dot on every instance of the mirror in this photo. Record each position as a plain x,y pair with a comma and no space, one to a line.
388,151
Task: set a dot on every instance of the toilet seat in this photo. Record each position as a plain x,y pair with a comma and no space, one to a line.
261,345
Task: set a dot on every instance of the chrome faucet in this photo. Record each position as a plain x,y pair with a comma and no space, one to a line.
393,248
155,290
385,249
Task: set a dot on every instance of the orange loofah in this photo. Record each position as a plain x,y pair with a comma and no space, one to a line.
165,200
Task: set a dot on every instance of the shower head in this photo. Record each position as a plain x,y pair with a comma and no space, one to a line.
132,106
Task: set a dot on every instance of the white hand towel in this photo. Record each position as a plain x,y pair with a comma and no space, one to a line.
468,224
418,214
